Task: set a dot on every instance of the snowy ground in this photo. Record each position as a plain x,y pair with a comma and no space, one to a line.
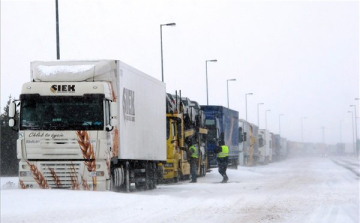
318,190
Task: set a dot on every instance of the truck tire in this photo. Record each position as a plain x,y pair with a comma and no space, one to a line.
155,175
117,179
202,171
126,185
150,176
235,163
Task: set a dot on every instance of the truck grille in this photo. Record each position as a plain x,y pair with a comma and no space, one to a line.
63,175
54,149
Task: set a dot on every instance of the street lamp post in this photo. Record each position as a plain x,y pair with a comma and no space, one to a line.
227,86
356,136
341,131
258,113
352,121
162,65
279,124
246,103
207,92
302,133
266,118
57,31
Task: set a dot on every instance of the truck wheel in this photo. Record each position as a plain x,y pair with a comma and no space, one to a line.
203,170
117,179
177,178
181,176
235,163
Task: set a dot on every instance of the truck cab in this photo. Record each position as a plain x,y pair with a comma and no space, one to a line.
222,124
180,134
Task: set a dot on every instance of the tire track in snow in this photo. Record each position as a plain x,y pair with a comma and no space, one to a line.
348,165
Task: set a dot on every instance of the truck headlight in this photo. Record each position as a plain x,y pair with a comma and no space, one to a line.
169,165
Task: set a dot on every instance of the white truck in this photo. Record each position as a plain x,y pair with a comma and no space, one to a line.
92,125
247,143
265,151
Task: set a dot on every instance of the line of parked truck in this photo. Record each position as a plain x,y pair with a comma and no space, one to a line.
104,125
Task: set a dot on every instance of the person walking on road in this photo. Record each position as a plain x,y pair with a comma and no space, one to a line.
193,162
222,160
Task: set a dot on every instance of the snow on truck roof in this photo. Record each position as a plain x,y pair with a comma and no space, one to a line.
65,71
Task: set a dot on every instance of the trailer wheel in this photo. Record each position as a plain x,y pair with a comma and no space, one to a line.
154,175
150,178
159,174
150,181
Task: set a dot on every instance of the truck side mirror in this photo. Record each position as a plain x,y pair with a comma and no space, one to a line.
114,122
245,136
261,142
178,125
241,136
113,109
11,122
12,111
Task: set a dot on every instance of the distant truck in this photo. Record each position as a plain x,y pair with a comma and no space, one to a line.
272,146
265,153
276,155
92,125
222,124
283,148
247,141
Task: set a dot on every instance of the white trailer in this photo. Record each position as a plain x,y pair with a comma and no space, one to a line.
244,141
247,143
272,146
90,125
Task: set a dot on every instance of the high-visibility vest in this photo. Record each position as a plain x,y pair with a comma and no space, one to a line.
224,152
194,152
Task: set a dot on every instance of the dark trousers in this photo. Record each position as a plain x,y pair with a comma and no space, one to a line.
193,169
222,164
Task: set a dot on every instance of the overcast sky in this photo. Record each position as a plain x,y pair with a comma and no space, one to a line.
300,59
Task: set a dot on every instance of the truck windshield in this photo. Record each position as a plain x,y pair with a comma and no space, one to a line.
62,112
212,131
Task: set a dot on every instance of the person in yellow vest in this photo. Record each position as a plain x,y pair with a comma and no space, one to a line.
193,150
222,160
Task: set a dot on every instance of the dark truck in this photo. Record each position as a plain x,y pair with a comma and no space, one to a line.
222,124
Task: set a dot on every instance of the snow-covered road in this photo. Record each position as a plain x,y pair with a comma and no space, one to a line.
296,191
